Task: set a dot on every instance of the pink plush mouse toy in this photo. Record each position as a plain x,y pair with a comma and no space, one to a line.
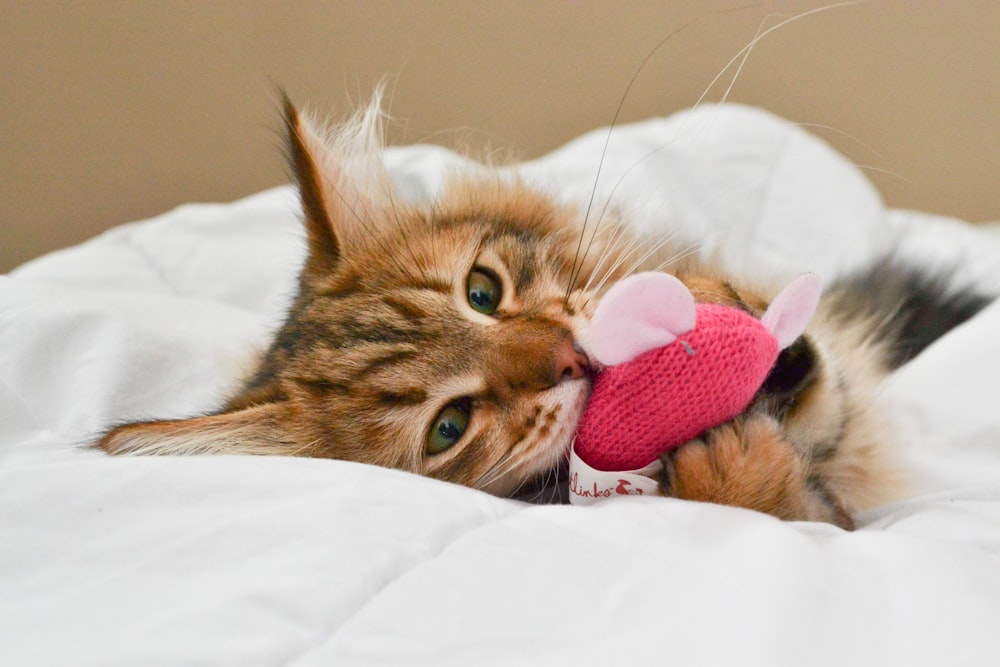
674,369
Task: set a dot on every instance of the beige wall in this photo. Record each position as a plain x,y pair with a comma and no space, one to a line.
117,111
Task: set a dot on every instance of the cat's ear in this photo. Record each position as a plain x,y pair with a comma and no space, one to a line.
333,174
261,429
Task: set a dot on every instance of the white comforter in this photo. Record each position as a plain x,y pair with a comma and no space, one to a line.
281,561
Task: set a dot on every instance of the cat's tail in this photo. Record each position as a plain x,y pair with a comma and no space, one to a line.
909,307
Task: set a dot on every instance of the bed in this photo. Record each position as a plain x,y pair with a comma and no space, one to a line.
284,561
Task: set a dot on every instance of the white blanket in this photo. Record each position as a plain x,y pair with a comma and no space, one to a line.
281,561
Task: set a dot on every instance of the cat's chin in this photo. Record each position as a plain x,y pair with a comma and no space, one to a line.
545,480
578,392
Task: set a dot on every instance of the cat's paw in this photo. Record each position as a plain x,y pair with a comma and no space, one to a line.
748,463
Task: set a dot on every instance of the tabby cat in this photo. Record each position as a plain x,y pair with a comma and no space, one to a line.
450,339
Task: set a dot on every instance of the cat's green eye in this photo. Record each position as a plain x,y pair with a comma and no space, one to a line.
449,427
484,291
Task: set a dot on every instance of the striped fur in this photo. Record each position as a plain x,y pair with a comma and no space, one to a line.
381,338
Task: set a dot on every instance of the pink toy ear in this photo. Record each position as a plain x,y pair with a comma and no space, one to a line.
791,310
638,314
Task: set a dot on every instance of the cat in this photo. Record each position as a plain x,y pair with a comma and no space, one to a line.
449,339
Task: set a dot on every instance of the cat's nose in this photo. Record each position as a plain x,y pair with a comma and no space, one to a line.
571,362
532,355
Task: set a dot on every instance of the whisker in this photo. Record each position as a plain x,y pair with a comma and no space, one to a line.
742,56
851,137
761,35
621,179
656,247
610,250
622,258
551,481
746,56
504,465
629,251
887,172
613,191
614,123
842,133
636,264
684,254
503,468
549,475
521,485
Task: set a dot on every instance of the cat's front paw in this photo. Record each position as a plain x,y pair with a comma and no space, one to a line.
748,463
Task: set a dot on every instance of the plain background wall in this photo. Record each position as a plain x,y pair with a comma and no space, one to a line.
114,112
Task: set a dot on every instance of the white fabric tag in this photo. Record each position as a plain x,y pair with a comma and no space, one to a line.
588,485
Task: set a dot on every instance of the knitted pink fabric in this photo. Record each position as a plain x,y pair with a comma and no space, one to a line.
667,396
675,368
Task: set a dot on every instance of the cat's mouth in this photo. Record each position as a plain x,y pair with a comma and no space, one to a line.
550,484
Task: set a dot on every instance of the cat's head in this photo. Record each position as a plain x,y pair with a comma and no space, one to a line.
445,338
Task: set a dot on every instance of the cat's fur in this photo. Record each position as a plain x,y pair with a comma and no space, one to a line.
382,337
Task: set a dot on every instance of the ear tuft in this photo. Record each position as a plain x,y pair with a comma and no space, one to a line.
303,150
342,181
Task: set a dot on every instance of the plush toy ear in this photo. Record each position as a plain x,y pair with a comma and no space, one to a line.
791,310
638,314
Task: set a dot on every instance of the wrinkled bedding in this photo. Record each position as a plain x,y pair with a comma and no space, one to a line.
282,561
